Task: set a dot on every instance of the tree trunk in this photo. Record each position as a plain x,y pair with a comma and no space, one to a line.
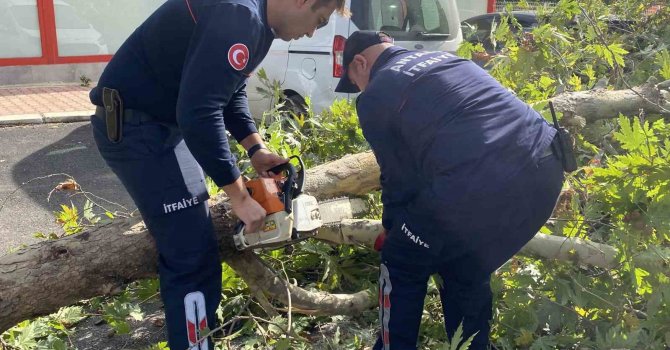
603,104
544,246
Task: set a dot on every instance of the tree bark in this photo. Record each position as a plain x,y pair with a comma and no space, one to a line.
543,246
599,104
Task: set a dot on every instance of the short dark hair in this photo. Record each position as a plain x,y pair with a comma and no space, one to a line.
340,8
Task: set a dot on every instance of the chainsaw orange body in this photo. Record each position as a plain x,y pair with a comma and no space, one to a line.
291,215
266,192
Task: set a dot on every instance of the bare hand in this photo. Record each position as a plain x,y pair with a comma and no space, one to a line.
250,212
263,160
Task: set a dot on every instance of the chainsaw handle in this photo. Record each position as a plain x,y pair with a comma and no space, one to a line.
300,181
288,167
288,190
239,227
294,182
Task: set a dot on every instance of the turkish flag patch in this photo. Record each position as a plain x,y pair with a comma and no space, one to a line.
238,56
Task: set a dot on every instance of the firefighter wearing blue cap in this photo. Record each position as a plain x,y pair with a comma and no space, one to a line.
469,174
165,102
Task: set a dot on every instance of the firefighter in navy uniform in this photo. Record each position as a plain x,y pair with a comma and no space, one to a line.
469,174
165,102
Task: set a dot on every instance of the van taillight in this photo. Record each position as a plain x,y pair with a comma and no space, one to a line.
338,56
491,6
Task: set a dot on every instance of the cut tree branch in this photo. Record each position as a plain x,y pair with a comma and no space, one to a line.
599,104
544,246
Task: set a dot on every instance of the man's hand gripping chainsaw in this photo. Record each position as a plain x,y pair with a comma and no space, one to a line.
292,216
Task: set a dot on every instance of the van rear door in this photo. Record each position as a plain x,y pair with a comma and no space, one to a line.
274,64
431,25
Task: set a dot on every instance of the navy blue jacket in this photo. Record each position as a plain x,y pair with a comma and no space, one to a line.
195,74
443,130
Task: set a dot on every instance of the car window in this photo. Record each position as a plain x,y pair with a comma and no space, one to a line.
477,30
402,19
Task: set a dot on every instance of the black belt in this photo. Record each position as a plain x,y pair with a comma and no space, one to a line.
129,115
115,115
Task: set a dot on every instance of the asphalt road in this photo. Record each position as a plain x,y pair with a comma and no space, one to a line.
30,156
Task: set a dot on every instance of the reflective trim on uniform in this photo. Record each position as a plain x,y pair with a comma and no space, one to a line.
385,304
196,320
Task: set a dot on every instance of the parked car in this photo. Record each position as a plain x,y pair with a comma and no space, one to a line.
311,67
478,29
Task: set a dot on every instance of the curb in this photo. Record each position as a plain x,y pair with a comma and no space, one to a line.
42,118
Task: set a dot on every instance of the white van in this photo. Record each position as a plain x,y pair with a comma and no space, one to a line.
471,8
312,66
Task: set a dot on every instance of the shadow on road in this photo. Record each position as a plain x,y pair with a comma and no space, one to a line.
76,155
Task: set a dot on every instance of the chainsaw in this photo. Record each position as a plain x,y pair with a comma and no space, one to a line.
292,216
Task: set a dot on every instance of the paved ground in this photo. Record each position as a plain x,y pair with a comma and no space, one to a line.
26,100
34,149
35,146
30,158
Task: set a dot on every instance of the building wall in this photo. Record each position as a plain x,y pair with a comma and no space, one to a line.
51,73
63,40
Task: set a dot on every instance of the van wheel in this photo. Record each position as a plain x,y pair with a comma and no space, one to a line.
294,105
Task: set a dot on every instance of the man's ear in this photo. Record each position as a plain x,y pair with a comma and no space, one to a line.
361,62
301,3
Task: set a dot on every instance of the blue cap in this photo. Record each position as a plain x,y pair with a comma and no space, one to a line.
356,43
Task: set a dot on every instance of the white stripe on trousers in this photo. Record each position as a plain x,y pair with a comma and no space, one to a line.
385,288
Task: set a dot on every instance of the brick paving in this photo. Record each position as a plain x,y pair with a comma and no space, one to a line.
20,100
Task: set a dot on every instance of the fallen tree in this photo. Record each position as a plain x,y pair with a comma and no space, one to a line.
599,104
41,278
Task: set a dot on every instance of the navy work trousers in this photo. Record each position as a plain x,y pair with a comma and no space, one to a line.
495,228
168,187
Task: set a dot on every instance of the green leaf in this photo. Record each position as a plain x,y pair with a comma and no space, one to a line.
458,336
663,62
618,52
466,49
120,326
69,316
630,135
283,344
88,212
544,343
466,344
643,286
575,82
158,346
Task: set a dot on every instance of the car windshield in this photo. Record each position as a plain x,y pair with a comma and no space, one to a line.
402,19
